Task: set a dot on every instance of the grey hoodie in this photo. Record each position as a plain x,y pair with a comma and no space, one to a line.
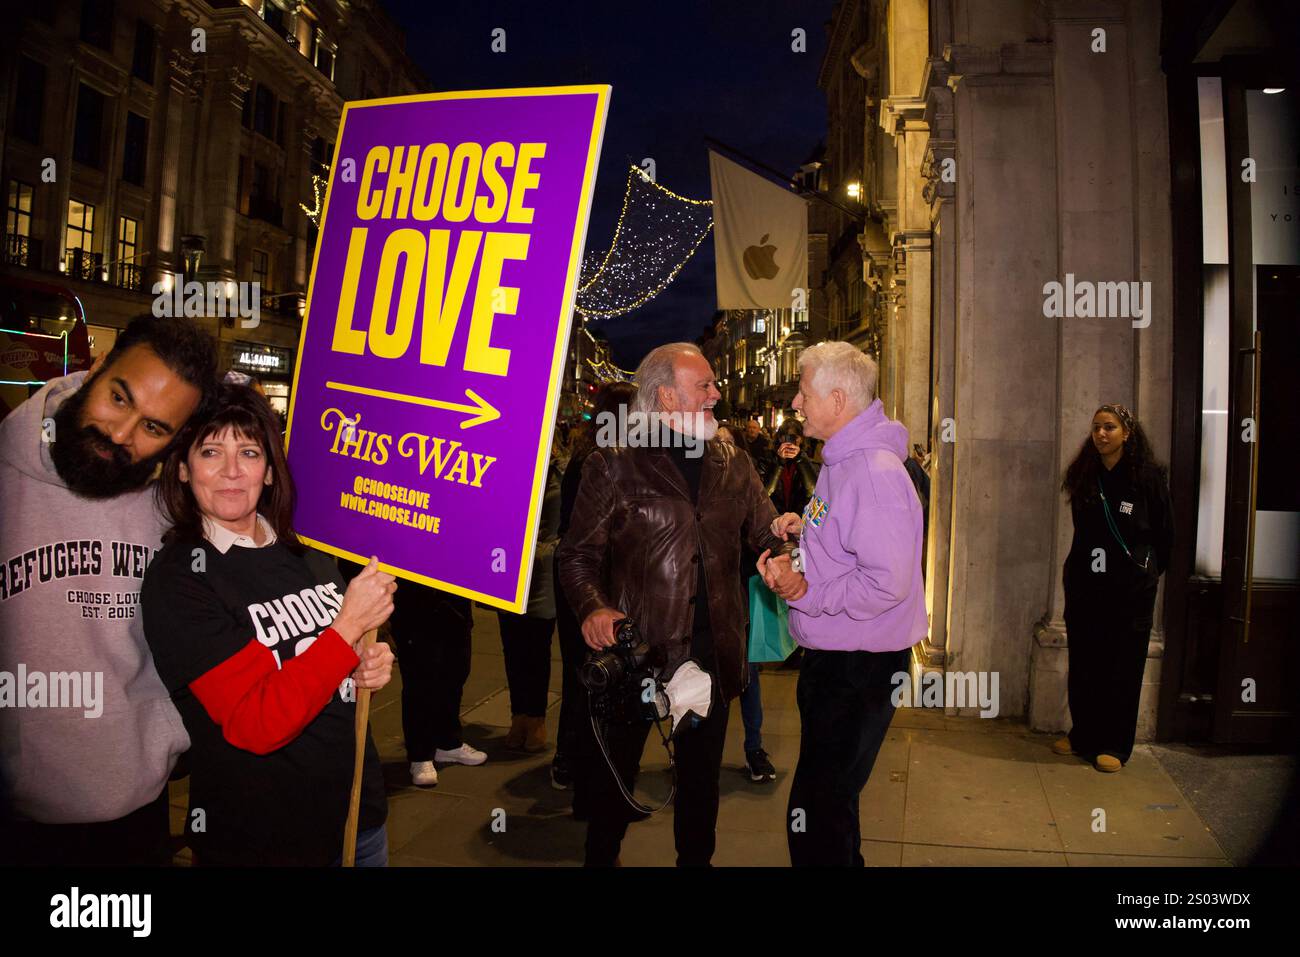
87,730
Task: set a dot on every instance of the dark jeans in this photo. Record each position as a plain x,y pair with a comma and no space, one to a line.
526,643
751,711
140,839
695,808
1107,655
372,849
844,710
432,631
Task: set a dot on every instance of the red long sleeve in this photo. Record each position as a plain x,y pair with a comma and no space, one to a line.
260,707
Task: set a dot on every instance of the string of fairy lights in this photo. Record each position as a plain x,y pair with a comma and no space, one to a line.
608,372
657,233
318,185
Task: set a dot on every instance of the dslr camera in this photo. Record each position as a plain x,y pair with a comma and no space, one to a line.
622,680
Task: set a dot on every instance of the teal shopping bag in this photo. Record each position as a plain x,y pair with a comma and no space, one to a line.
769,626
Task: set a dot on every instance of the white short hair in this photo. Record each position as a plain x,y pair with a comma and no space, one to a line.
839,365
659,369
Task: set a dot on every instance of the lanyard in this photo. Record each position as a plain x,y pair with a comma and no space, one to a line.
1105,506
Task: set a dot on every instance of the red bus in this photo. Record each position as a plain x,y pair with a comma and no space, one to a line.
42,336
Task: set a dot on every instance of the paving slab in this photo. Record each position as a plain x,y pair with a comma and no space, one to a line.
972,789
1137,811
939,855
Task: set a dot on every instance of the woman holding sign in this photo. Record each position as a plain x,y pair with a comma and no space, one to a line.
255,637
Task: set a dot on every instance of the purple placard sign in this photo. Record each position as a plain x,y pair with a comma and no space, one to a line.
436,331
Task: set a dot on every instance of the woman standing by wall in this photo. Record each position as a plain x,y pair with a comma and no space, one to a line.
1123,532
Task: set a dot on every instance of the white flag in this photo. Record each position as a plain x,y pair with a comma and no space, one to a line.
760,238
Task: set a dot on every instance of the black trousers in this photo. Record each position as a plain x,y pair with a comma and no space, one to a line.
526,644
432,631
844,712
1107,653
140,839
698,761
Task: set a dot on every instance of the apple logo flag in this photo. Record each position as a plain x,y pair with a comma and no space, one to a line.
760,238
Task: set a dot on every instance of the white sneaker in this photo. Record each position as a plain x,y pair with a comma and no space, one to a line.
465,754
424,774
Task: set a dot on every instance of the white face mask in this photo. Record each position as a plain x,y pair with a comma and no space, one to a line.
689,693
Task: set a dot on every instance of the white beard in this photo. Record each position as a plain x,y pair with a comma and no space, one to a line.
699,425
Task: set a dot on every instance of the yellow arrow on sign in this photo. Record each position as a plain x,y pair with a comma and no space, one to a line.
485,411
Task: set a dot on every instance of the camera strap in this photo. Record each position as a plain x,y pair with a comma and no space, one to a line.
618,778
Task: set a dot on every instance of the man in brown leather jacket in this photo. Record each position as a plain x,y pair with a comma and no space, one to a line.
655,536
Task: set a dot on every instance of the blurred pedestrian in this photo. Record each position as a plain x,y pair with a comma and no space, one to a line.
575,746
526,638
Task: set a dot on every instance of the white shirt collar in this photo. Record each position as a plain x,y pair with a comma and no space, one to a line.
223,538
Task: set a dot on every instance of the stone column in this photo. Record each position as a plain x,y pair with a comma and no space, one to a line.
1095,238
1153,389
940,193
1112,226
177,89
222,180
1006,358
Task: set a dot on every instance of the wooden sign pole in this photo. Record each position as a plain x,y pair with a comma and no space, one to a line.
359,757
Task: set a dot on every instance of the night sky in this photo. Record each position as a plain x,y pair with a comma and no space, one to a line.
680,72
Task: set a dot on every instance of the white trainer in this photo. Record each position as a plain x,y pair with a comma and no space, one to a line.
424,774
465,754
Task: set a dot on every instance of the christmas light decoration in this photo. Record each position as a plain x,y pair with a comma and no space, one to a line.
608,372
657,233
318,182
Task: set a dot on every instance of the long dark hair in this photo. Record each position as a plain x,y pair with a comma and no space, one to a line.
1080,482
251,417
608,399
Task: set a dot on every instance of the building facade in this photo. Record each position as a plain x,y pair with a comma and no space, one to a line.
997,150
145,140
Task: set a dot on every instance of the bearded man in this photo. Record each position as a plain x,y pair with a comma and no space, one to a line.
655,536
88,733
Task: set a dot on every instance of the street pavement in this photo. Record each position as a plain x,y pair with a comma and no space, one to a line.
945,791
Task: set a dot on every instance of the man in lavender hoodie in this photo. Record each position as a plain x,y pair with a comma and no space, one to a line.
859,604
